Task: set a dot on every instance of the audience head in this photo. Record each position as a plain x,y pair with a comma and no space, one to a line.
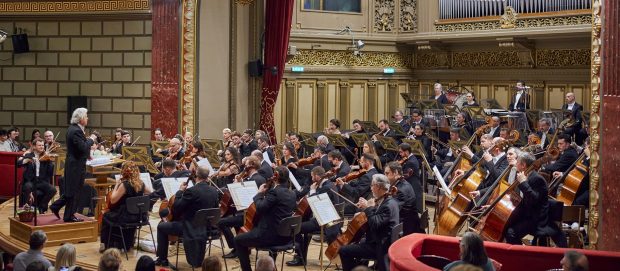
145,263
574,261
265,263
472,249
3,134
211,263
65,257
36,266
110,260
37,240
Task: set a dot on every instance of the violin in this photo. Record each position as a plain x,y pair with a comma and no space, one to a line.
306,161
354,175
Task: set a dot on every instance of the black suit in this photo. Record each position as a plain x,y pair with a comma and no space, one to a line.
248,148
158,189
495,170
389,133
565,160
404,125
496,132
273,206
548,137
187,203
441,100
533,212
360,187
411,170
522,104
265,170
78,150
381,220
407,198
40,185
578,120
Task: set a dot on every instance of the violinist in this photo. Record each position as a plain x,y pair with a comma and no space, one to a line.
117,139
169,170
39,170
188,138
505,133
251,165
265,169
410,168
125,142
174,151
196,153
50,143
495,129
568,156
406,198
338,162
248,143
226,137
187,202
158,135
129,185
320,185
263,146
236,142
358,188
299,148
288,154
383,216
533,211
35,134
230,168
272,204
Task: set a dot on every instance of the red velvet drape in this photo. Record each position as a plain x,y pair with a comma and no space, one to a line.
278,18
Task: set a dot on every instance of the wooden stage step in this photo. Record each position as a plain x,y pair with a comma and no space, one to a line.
58,232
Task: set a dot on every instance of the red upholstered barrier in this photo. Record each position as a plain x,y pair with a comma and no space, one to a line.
403,254
7,173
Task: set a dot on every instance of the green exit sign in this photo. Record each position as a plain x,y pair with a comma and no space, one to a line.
388,70
297,69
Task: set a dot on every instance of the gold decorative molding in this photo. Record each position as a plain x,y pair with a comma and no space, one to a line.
563,58
321,84
432,60
509,18
371,84
57,7
519,23
595,125
384,15
290,84
188,64
244,2
408,16
343,84
346,58
489,59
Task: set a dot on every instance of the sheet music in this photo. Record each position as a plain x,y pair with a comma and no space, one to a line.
266,157
145,177
444,186
323,209
205,163
243,194
172,185
294,181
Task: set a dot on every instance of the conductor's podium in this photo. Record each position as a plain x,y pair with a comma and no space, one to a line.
404,253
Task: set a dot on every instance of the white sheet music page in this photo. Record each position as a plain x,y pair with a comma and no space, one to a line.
145,177
205,163
444,186
172,185
243,194
323,209
266,157
294,181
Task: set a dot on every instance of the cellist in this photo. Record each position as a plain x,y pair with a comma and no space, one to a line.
533,211
382,213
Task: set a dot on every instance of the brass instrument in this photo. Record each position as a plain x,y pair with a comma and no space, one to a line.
566,123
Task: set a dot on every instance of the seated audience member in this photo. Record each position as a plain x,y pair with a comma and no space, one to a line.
472,252
35,253
145,263
265,263
36,266
211,263
574,261
110,260
65,259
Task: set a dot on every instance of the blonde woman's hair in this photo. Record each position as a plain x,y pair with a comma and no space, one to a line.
66,256
131,173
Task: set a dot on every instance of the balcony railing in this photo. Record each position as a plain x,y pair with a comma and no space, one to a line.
461,9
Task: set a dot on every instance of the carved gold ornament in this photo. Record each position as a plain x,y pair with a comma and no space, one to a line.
509,18
408,16
595,201
188,67
585,19
558,58
384,15
244,2
543,58
51,7
306,57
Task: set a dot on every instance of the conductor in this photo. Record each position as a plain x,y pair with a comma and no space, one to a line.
78,150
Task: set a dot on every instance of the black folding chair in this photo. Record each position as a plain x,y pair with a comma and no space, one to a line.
288,227
138,206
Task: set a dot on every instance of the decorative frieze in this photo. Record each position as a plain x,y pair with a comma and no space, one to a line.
60,7
346,58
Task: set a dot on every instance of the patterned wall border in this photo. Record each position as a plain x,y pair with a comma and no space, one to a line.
520,23
346,58
595,125
189,65
61,7
543,58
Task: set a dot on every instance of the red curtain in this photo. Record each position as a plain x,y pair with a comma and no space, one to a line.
278,18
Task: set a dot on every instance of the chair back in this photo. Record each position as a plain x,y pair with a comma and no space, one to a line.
574,213
139,205
290,226
555,210
434,261
207,217
424,220
397,232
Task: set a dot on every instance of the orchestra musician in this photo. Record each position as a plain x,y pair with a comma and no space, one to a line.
406,197
418,134
333,127
383,215
39,170
582,196
320,185
299,148
174,151
196,154
470,100
226,133
289,155
568,156
50,143
545,133
78,150
336,159
359,188
323,141
265,169
445,157
504,133
158,135
251,165
418,118
117,139
575,109
533,211
169,170
410,171
495,129
125,141
187,202
461,123
399,118
230,168
494,161
385,128
235,139
440,96
272,205
129,185
263,146
248,143
511,156
369,148
521,100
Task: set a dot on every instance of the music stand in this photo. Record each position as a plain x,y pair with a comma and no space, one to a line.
388,143
398,130
369,126
427,104
533,116
308,139
456,145
336,140
158,145
213,144
406,97
475,112
359,139
139,155
451,110
490,104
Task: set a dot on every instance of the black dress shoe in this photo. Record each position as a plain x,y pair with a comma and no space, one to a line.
297,261
232,254
74,219
160,262
55,211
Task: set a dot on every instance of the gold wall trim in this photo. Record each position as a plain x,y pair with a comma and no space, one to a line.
595,125
53,7
563,58
188,65
346,58
543,58
519,23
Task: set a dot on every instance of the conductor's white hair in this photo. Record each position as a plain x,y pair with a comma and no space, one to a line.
78,114
381,180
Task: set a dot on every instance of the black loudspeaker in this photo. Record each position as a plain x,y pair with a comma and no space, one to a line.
255,68
20,43
75,102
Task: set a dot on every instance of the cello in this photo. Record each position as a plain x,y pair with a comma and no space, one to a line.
251,216
356,228
568,184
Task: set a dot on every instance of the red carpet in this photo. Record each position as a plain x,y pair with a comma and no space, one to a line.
50,219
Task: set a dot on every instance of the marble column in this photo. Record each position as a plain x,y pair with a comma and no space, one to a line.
165,67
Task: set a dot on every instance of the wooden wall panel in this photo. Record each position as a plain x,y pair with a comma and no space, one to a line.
502,94
358,102
305,115
555,96
333,100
